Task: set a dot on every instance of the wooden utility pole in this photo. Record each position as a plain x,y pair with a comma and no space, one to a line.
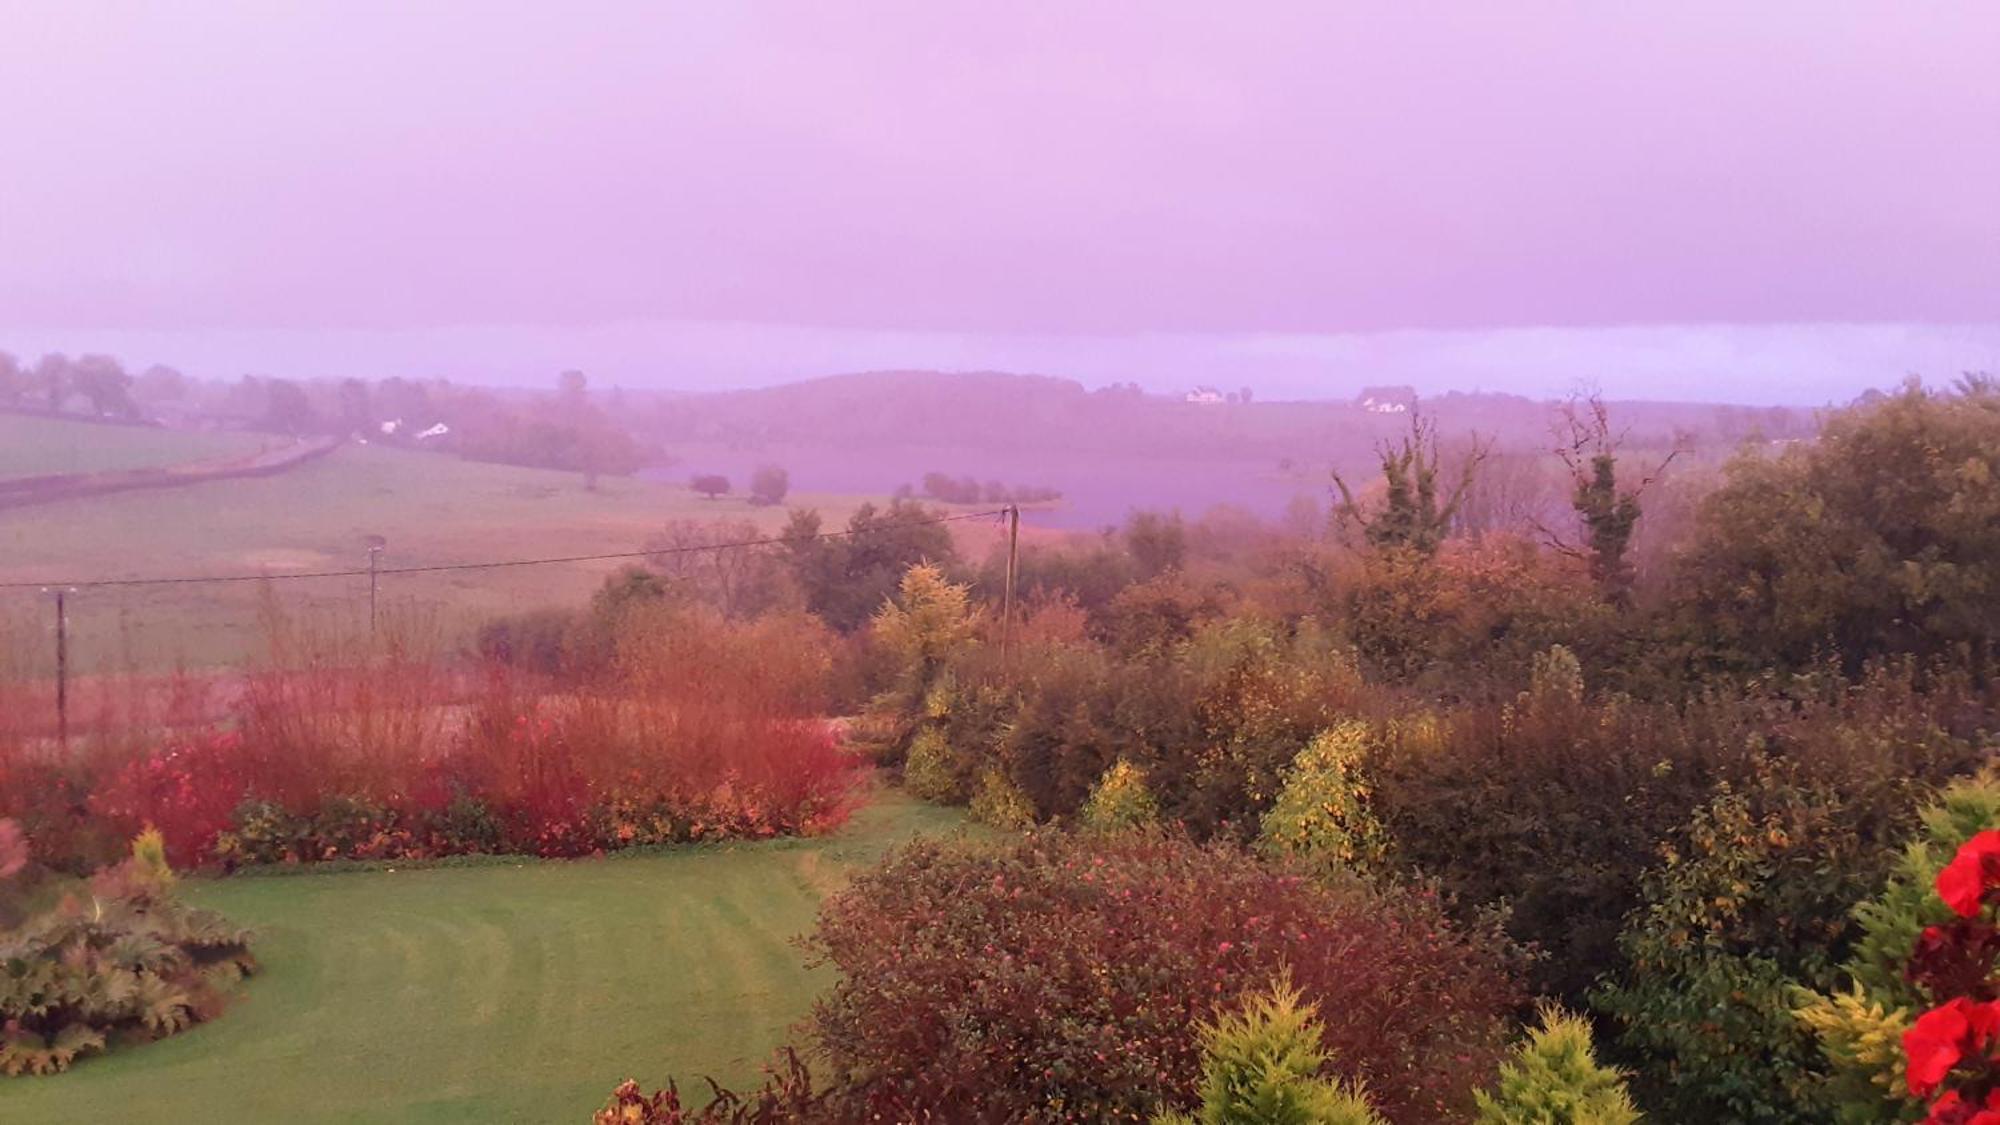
62,666
1007,596
375,545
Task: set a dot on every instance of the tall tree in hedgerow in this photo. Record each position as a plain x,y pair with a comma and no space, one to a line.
1417,510
1607,513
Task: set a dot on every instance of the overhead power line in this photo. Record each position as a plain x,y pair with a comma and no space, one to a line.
493,564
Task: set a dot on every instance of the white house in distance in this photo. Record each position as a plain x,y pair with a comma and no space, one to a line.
1206,396
1387,400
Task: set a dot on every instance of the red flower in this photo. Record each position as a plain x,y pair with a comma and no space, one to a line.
1950,1109
1933,1045
1976,867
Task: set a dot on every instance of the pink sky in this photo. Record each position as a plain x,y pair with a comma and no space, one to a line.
328,180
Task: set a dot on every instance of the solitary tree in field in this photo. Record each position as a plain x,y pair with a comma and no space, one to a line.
710,485
769,484
1415,515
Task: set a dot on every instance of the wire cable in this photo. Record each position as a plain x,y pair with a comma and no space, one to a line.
193,579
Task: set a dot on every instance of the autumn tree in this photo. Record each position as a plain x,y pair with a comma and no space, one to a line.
1881,537
710,485
720,563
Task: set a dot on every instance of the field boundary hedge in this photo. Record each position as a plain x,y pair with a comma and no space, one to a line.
22,492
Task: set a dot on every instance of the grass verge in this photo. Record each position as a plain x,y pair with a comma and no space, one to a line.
509,992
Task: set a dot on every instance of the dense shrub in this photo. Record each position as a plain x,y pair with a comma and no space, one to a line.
1554,1078
1555,804
1469,616
1554,810
1213,721
1153,616
1752,903
1063,979
131,963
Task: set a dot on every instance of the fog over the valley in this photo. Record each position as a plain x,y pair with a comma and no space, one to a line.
1774,203
1797,365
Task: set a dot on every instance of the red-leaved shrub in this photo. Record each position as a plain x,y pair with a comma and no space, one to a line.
1064,979
703,729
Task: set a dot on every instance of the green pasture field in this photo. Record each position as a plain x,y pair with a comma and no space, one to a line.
432,508
514,992
32,446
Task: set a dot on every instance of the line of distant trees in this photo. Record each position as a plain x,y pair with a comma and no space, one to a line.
969,490
567,431
55,381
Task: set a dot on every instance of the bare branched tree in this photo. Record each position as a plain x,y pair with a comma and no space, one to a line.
1606,513
1414,515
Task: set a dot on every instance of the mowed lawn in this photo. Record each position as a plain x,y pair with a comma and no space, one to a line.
491,994
432,508
32,446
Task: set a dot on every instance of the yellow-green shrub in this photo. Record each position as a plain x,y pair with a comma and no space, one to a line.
1262,1066
1120,800
1000,803
1555,1079
1323,816
927,772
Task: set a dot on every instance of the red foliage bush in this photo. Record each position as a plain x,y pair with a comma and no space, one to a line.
705,730
1060,979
